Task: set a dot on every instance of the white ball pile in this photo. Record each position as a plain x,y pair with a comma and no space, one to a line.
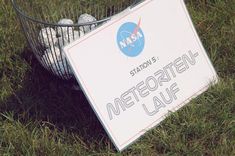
54,41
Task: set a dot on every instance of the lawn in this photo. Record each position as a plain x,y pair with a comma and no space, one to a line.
39,116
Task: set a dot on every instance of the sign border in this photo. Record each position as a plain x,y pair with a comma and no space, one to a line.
152,125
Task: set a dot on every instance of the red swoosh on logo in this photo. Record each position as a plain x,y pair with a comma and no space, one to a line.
136,30
137,27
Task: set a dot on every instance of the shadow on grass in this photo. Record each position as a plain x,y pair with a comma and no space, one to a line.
44,99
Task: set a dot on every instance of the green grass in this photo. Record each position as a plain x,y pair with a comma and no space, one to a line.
38,116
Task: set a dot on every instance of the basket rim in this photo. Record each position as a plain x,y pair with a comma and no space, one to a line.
22,13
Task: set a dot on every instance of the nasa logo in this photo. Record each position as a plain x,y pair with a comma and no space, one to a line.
131,39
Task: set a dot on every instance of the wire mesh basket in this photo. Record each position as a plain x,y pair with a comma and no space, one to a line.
49,25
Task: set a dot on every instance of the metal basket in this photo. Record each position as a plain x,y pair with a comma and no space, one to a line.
47,37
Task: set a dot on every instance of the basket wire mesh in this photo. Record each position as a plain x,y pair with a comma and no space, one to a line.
47,37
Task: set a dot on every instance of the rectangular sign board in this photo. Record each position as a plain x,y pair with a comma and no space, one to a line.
139,66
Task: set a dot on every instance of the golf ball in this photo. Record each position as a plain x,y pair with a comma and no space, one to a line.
47,37
85,18
53,55
61,42
64,30
56,61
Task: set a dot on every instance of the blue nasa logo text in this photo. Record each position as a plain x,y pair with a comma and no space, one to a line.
130,39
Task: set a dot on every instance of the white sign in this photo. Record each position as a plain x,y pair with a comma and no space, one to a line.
140,66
